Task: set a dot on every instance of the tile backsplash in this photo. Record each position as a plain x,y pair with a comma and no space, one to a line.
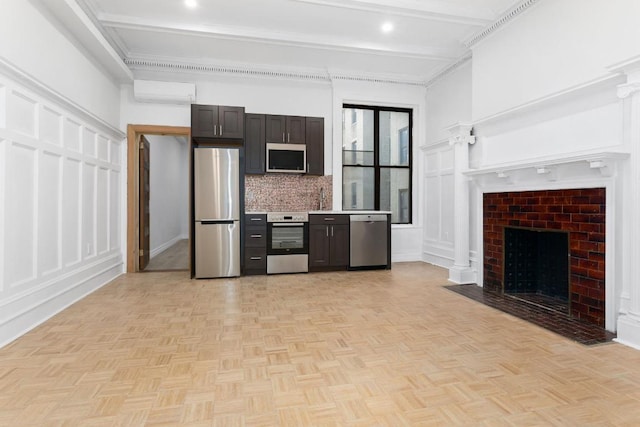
287,192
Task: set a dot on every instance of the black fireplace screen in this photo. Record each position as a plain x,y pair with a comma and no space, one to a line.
536,262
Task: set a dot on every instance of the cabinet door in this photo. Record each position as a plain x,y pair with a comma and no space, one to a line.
204,121
276,129
339,248
296,130
318,246
231,122
254,144
315,145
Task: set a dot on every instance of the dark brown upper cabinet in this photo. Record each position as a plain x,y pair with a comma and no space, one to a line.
286,129
217,121
315,145
254,144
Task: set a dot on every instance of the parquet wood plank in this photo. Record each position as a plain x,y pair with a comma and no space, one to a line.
369,348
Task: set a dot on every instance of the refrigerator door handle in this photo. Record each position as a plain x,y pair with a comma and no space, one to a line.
215,221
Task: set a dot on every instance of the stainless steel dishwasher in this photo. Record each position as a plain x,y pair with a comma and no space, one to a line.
368,240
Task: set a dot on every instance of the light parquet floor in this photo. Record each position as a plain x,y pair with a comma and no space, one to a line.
373,348
175,257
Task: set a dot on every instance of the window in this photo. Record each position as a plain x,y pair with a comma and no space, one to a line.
376,160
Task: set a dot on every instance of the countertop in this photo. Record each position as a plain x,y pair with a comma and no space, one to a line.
330,212
349,212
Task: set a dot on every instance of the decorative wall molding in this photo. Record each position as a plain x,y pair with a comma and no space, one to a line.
460,133
39,88
60,187
625,90
506,18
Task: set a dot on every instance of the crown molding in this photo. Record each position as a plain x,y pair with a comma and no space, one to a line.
244,70
506,18
450,69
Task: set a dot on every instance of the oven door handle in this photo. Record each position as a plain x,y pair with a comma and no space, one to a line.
287,224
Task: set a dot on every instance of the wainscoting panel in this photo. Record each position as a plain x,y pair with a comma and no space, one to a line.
71,212
439,215
60,186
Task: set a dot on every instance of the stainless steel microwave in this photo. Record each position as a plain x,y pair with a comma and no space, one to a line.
290,158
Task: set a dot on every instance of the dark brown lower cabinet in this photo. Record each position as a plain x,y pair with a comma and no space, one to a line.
255,244
328,242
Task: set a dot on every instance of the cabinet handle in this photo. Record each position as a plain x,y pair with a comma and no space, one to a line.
327,231
256,219
288,137
256,258
220,130
282,136
256,236
332,231
329,219
215,130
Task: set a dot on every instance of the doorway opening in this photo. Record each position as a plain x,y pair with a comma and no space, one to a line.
139,222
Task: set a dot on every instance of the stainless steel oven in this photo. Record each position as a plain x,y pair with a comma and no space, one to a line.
287,242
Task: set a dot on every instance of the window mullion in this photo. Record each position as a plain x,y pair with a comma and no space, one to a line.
376,157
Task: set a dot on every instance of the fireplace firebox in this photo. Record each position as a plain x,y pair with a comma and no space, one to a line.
536,263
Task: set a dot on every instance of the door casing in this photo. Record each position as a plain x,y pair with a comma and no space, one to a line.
134,132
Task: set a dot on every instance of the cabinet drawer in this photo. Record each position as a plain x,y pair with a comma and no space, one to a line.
255,259
328,219
255,237
255,219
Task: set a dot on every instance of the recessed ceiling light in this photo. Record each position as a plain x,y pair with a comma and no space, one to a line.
387,27
191,4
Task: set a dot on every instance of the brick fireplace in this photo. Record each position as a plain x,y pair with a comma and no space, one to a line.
580,213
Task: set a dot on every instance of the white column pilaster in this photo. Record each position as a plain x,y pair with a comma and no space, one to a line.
628,326
461,271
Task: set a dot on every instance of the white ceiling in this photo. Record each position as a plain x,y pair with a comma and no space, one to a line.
298,35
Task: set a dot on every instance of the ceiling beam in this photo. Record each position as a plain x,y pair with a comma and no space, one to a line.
280,38
432,10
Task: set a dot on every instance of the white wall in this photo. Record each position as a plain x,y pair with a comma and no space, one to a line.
553,46
60,178
60,172
169,191
33,44
305,99
448,103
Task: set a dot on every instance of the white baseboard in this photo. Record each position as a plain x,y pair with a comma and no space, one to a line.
437,260
29,312
166,245
629,331
405,257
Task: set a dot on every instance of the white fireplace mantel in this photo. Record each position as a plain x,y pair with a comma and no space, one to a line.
602,162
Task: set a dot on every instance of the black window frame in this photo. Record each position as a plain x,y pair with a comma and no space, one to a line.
377,167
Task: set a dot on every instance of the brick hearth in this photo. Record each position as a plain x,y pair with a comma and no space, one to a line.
581,212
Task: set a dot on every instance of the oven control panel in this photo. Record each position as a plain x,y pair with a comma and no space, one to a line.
288,217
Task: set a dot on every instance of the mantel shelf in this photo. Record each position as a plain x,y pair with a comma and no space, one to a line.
604,157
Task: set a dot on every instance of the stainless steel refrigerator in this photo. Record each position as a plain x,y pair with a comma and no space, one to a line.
217,212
